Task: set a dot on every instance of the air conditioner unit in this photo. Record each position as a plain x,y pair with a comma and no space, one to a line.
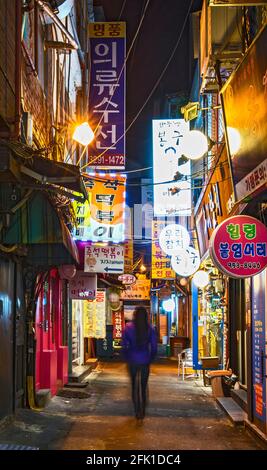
219,40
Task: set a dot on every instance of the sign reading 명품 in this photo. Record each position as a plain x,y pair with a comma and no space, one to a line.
238,246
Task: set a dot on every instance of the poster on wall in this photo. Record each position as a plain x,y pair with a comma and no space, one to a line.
238,246
171,198
107,94
94,316
258,346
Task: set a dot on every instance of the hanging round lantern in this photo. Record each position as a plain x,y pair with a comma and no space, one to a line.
67,271
201,279
113,297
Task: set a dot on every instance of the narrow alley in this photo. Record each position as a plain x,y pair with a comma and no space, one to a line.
181,415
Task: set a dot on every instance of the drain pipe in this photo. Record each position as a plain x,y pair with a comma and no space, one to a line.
18,24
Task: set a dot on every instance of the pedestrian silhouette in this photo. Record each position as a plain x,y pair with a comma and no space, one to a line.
139,347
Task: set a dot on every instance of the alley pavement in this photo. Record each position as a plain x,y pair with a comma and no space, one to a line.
181,415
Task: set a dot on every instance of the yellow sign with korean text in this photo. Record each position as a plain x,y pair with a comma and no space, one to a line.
108,194
161,263
113,29
138,291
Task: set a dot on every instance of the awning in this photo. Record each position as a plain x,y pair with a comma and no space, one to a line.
38,226
20,163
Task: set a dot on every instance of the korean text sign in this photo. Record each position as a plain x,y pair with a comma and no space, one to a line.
83,286
161,263
107,195
238,246
104,259
171,198
107,94
94,316
246,90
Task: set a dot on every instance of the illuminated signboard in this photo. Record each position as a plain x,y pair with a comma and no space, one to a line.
108,193
107,94
171,198
161,263
238,246
104,259
94,316
83,286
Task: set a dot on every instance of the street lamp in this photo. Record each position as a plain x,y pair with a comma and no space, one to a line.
83,134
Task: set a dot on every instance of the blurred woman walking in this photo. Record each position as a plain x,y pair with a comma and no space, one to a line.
139,347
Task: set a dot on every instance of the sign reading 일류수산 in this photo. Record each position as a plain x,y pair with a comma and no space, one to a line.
107,94
171,198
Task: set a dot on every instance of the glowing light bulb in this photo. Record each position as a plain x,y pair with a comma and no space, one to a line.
201,279
168,305
194,145
234,140
83,134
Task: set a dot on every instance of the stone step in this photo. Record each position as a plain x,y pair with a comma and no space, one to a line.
241,398
80,372
233,410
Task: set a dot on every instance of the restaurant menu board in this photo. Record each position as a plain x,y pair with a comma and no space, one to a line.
94,316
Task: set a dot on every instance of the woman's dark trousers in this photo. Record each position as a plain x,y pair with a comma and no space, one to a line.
139,378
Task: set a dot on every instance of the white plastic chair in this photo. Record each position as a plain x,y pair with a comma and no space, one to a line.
185,360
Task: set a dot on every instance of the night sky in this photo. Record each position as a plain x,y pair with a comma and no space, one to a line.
157,37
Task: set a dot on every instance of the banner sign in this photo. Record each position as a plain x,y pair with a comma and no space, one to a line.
107,94
81,230
171,198
233,3
108,193
83,286
258,346
118,323
246,90
94,316
138,291
161,263
104,259
238,246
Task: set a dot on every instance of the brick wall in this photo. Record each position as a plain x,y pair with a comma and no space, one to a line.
7,60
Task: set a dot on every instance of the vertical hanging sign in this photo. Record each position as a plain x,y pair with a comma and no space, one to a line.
108,194
107,94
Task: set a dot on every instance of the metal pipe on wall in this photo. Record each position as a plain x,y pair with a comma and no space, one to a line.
18,27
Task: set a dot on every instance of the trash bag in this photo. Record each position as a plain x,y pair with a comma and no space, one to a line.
228,383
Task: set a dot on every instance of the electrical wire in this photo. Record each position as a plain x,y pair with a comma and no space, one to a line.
154,87
122,8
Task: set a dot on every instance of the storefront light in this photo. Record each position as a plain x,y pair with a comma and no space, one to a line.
201,279
195,145
234,140
168,305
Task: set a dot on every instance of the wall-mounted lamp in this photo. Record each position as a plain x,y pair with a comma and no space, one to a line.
84,135
191,110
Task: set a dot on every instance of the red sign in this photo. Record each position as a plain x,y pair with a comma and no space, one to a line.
118,324
127,279
238,246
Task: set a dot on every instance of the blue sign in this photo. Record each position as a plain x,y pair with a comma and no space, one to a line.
258,346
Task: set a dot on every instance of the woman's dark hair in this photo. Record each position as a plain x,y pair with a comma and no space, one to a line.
140,319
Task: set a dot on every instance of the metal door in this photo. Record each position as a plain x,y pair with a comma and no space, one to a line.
19,370
6,337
